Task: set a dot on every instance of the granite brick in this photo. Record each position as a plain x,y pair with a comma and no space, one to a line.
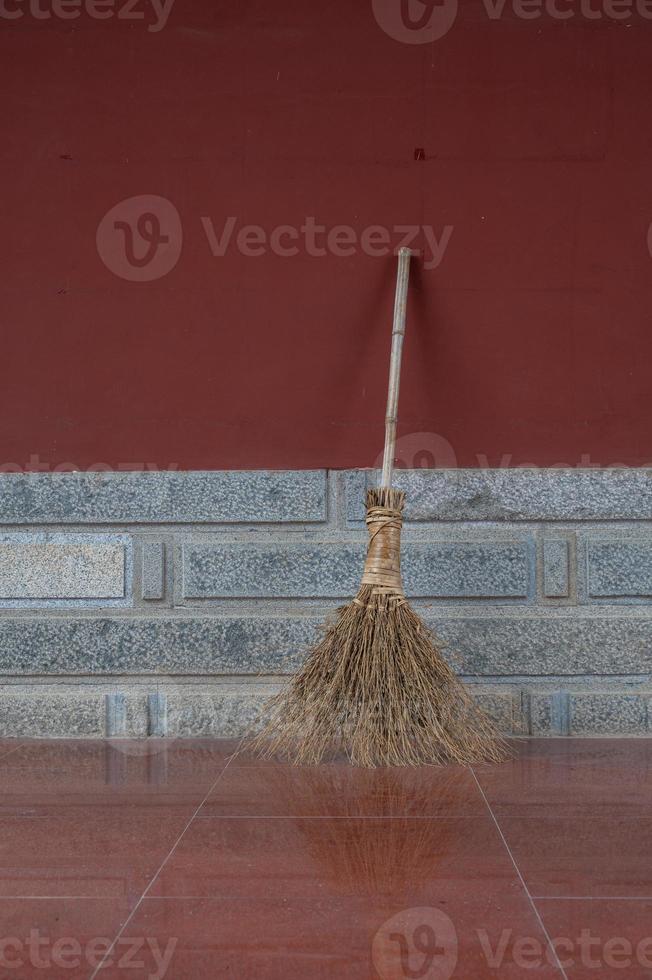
556,581
228,715
517,494
164,497
153,570
619,568
34,568
36,715
480,644
608,713
459,569
116,715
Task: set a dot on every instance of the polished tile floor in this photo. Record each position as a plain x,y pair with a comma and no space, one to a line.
177,859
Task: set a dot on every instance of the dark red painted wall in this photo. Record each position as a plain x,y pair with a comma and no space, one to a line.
531,341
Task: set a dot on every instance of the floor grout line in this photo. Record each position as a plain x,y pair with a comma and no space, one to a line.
338,816
592,898
58,898
521,878
155,876
3,755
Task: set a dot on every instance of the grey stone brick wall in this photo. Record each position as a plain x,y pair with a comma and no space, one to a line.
135,604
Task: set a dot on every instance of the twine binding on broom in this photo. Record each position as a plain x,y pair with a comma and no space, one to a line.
382,568
377,685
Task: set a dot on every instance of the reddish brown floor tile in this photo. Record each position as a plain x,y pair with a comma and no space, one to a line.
601,938
342,791
242,757
106,850
89,755
346,938
405,859
543,785
593,856
47,938
78,773
288,873
624,752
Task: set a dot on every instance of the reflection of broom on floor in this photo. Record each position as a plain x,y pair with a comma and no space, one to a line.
377,684
377,836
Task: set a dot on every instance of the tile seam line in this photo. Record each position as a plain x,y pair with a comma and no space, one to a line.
592,898
594,814
3,755
59,898
154,878
521,878
329,816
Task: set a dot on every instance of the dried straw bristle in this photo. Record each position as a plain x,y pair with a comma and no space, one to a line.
377,685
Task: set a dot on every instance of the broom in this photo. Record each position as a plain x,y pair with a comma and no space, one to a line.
377,685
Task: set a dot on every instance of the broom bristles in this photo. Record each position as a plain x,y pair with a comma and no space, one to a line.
378,688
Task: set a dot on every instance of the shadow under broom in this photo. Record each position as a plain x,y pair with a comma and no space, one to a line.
377,685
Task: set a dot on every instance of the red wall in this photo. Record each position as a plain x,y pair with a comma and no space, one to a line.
531,341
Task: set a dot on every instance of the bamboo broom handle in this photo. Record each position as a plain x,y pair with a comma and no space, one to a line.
398,333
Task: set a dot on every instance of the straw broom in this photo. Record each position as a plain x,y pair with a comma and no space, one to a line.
377,685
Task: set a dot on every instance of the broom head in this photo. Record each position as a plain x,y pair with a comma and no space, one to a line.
377,685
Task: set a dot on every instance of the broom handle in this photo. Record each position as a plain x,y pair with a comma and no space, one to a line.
398,333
